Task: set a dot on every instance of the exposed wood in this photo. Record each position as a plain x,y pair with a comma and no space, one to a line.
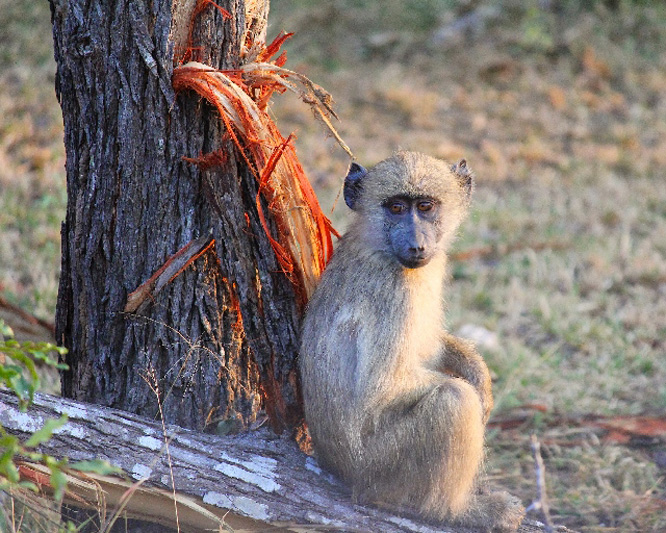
167,272
248,479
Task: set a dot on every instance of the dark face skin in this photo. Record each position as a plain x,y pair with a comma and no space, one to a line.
412,229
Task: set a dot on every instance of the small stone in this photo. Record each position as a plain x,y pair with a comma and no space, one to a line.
483,337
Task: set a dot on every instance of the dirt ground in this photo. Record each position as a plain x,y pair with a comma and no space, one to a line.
560,272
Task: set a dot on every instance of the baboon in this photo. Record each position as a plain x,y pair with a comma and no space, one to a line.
395,405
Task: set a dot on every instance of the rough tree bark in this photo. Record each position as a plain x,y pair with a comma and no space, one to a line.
249,481
219,341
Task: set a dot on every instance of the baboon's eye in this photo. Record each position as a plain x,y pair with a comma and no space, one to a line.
424,206
397,207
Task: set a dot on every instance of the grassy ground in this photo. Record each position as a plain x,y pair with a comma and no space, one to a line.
562,114
32,159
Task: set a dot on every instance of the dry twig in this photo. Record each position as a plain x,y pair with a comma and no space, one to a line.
171,268
505,249
541,503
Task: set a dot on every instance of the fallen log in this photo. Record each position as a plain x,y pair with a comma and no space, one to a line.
199,482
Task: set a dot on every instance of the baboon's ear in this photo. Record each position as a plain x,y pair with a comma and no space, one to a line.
354,184
464,175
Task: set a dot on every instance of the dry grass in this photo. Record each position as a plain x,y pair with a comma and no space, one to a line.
32,159
563,118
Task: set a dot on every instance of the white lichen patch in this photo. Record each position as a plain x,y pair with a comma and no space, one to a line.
250,508
265,480
257,464
259,470
184,441
24,421
71,429
312,466
217,499
317,518
241,504
140,471
266,463
184,455
151,443
411,526
72,411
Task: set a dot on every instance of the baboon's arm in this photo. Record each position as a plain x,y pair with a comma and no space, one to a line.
460,358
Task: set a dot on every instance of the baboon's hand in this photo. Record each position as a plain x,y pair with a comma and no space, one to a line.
485,391
460,358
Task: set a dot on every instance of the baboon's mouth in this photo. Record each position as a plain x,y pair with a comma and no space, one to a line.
414,261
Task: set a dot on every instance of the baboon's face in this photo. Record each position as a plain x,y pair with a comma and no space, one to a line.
412,231
408,206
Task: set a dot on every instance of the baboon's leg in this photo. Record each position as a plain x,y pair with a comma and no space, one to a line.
425,451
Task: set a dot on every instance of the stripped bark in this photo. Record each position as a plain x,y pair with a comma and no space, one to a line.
249,480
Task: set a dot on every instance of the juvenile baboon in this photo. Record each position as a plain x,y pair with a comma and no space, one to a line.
396,406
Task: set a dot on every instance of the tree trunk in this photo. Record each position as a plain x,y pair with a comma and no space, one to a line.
247,481
219,341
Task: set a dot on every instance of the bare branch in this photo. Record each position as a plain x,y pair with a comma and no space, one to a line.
541,503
